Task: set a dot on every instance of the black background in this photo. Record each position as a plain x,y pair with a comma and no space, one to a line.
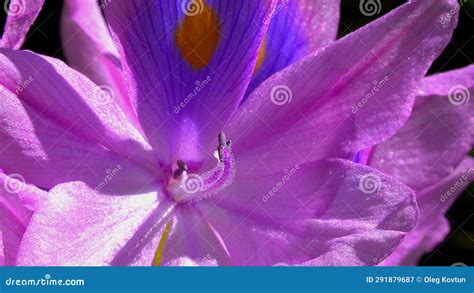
459,245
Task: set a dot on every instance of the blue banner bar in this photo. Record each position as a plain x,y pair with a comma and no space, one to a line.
237,279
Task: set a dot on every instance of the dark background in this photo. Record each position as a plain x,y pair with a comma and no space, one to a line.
459,245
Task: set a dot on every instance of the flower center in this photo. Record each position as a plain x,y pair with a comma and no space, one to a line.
185,186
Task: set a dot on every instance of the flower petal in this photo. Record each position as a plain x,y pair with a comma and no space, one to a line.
14,214
193,242
20,17
432,227
89,48
53,127
327,105
77,226
297,29
437,136
188,69
319,214
451,82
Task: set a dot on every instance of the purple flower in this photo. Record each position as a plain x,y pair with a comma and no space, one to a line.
430,155
215,133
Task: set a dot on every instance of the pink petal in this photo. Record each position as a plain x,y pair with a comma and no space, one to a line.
317,215
89,48
178,104
318,107
437,136
54,128
14,214
432,227
20,16
77,226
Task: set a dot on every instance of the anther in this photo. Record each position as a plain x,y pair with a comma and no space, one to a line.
182,169
223,143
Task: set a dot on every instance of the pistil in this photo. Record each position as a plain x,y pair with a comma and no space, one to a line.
191,187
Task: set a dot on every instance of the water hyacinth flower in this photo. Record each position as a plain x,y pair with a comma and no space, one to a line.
255,167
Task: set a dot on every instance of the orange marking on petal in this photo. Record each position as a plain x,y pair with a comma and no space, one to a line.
261,55
197,36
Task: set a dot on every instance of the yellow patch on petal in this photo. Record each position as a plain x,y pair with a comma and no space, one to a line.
197,37
161,245
261,55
